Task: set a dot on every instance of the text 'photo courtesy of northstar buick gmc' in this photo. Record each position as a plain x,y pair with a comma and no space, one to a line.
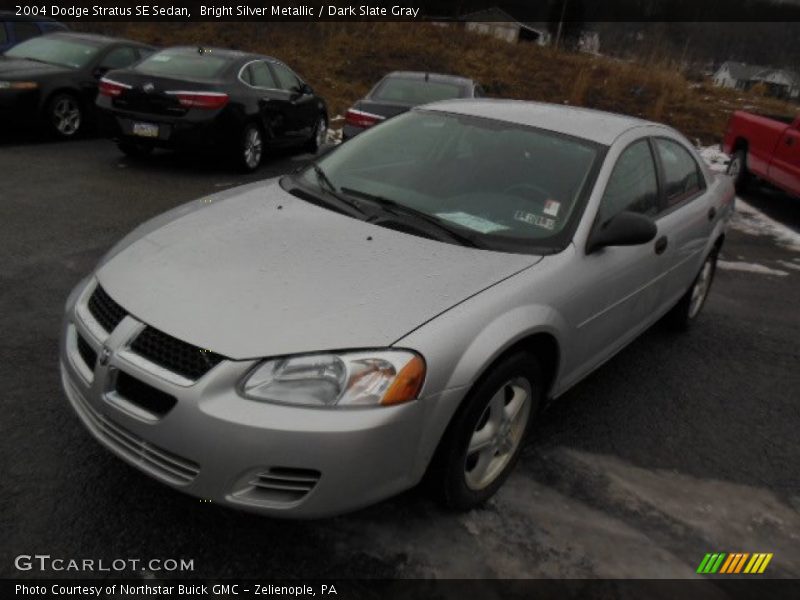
398,311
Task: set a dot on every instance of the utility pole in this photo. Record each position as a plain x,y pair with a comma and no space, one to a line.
561,23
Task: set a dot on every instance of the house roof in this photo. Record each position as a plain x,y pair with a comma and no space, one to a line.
740,71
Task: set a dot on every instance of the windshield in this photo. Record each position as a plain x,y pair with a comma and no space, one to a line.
507,186
416,91
183,64
71,53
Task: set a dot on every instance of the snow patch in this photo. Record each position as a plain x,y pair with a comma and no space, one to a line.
752,221
749,268
716,159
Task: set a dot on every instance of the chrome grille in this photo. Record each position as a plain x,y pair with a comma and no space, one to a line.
173,354
103,308
88,355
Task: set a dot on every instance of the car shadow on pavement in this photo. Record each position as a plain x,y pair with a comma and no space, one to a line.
774,203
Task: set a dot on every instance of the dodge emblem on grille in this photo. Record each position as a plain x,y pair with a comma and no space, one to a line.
105,355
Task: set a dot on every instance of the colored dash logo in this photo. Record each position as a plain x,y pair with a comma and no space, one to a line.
735,562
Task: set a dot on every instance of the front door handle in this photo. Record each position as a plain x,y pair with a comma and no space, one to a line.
661,244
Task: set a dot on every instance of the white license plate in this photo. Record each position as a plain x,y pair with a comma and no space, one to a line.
148,130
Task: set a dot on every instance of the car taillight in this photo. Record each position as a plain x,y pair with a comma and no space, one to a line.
111,88
359,118
207,100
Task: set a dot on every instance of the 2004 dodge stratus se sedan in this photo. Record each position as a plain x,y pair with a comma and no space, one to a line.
401,307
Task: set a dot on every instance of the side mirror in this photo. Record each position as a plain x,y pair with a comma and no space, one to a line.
625,229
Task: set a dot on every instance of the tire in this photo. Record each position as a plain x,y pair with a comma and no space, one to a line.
461,479
64,115
686,311
134,149
250,149
320,135
737,169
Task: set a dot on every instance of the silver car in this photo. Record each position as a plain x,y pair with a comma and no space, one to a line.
398,310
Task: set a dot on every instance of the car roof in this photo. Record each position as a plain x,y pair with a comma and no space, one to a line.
94,38
593,125
224,52
424,75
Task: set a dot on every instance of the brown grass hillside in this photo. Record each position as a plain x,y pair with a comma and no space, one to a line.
343,60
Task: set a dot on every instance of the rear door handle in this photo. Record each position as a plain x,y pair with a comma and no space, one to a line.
661,244
712,212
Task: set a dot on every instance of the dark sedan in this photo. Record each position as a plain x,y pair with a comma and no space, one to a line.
53,79
400,91
208,98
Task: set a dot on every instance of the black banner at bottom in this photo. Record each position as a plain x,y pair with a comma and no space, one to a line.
409,589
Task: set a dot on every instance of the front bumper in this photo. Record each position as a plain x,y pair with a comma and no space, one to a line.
214,444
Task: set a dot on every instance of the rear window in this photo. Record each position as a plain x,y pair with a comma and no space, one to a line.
56,51
184,65
416,91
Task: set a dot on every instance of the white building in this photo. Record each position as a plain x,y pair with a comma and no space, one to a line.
780,83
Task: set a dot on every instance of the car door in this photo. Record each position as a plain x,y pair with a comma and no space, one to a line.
270,100
685,221
784,170
616,287
301,106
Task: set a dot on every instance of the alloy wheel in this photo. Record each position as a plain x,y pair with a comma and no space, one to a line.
66,116
498,433
701,287
253,147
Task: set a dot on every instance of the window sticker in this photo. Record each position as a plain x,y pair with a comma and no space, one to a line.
473,222
534,219
551,207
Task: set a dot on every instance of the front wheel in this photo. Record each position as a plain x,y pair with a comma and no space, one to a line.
64,115
251,148
483,442
690,305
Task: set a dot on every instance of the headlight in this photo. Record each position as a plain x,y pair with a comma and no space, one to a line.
379,378
18,85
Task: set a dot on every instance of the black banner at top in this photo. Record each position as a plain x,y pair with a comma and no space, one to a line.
523,11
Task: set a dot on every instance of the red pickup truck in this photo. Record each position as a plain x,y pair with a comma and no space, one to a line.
765,146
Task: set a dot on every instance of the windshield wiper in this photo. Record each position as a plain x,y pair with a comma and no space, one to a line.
401,210
327,185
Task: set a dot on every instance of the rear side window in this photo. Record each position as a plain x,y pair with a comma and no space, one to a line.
260,76
24,30
633,185
183,64
682,177
119,58
415,91
287,80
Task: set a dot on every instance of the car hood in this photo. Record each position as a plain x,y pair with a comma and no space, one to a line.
259,272
19,68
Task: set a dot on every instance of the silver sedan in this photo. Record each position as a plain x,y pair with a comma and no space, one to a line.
399,310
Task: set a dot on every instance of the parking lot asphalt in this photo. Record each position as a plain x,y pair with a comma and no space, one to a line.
683,444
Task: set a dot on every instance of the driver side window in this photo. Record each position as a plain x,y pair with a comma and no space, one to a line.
633,185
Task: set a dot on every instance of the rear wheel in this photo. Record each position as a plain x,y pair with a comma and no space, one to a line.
689,306
483,442
251,148
64,115
320,135
737,169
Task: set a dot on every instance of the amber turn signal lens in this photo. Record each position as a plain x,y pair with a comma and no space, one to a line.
407,384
